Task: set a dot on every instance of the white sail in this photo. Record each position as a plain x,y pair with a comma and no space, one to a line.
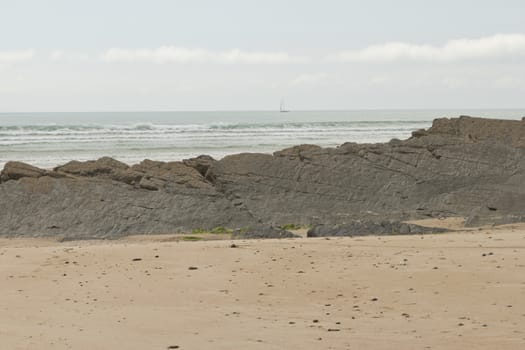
282,107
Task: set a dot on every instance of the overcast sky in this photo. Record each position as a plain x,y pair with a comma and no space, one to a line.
112,55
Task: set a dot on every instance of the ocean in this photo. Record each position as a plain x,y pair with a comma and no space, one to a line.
50,139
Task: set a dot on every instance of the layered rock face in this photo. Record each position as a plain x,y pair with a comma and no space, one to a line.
464,166
457,167
107,199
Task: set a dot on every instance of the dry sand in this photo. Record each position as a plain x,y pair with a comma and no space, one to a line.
450,291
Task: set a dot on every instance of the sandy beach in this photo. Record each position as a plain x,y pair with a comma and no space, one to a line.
277,175
462,290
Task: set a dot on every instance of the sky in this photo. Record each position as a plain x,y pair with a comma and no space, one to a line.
113,55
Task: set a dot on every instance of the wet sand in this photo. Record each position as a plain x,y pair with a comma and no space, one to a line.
449,291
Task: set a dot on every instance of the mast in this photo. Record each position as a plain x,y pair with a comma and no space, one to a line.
282,107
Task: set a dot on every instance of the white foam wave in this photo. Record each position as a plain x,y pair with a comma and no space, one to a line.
52,144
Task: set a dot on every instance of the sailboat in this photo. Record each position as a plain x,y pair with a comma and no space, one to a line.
282,109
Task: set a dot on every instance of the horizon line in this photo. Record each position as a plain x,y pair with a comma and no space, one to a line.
273,110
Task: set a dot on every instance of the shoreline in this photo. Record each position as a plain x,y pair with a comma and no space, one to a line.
451,225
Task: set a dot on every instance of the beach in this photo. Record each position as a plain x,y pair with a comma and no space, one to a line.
460,290
277,175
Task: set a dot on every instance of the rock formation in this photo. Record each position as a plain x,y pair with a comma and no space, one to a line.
465,166
261,231
361,228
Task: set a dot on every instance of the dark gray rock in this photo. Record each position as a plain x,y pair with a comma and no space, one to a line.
364,228
104,167
98,207
201,163
18,170
297,152
262,231
101,166
465,166
456,166
481,217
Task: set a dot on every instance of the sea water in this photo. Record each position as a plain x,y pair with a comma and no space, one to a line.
50,139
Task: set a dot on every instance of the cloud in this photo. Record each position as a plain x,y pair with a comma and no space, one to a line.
56,55
308,79
16,56
486,48
173,54
61,56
